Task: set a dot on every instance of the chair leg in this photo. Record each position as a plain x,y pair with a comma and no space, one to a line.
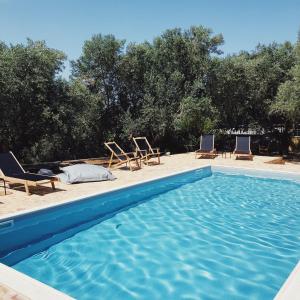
137,164
130,167
110,161
53,185
27,188
4,187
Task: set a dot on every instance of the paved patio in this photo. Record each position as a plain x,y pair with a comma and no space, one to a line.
7,293
18,200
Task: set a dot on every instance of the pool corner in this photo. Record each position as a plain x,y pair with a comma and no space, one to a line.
26,287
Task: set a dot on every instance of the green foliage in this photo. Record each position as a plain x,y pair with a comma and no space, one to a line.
196,116
244,86
171,90
98,68
288,98
173,67
29,92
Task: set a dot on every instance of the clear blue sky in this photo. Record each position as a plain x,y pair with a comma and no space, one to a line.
66,24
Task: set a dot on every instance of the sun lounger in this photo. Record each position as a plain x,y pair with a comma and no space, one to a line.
122,157
207,147
243,148
12,172
146,152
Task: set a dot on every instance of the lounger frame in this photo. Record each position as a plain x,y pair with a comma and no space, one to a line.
147,154
210,154
127,161
27,183
247,155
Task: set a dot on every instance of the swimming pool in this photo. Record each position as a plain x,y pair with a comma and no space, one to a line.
197,235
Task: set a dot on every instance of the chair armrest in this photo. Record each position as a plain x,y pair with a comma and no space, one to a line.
131,154
143,151
157,150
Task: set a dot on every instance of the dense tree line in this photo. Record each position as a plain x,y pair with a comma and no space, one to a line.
171,90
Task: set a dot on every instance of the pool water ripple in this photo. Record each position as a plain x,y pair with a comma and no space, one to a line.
222,237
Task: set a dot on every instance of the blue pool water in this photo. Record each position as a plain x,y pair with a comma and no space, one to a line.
219,237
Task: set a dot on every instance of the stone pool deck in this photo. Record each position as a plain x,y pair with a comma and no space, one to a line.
18,200
7,293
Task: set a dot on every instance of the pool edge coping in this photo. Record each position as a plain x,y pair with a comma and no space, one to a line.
291,287
33,288
29,287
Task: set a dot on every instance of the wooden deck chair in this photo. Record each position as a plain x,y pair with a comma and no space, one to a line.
146,152
243,148
207,147
122,157
12,172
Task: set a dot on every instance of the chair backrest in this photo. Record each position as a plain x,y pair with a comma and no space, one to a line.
142,144
9,165
116,150
243,144
207,142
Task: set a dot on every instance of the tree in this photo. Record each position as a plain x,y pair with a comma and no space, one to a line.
244,86
196,116
28,88
176,67
98,68
288,98
143,86
171,90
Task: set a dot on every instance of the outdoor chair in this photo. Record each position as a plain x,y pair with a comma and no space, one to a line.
207,147
122,157
12,172
243,148
146,152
